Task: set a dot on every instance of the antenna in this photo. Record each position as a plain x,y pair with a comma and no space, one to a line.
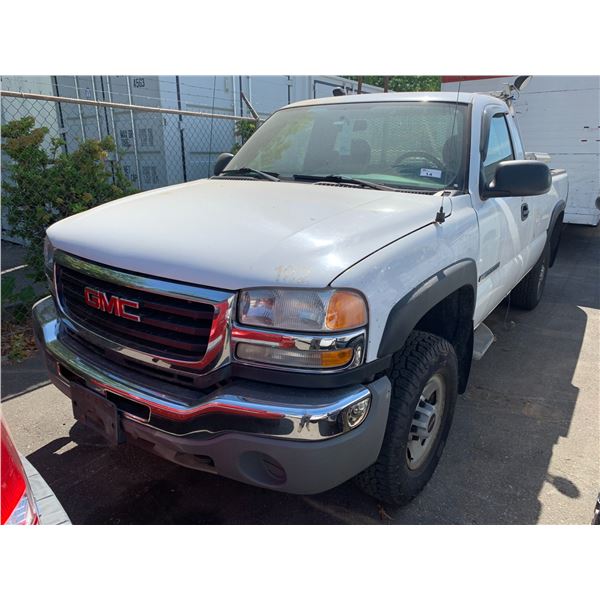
455,108
440,217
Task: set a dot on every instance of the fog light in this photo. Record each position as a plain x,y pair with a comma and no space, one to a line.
355,414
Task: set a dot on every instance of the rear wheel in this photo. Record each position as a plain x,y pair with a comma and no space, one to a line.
528,293
424,378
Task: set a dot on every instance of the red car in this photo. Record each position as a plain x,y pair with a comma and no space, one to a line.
25,498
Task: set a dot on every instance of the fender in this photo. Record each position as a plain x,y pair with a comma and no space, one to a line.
411,309
555,229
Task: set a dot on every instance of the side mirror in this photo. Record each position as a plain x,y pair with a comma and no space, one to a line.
519,178
221,162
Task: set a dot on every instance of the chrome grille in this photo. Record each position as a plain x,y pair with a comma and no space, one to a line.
169,327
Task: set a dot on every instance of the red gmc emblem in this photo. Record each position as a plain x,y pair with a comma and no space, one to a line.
113,305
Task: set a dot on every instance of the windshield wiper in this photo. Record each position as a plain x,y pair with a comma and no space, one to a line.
342,179
249,171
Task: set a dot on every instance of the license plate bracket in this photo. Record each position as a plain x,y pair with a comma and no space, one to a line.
97,413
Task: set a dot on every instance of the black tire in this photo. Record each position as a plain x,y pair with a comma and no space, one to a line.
390,479
528,293
555,239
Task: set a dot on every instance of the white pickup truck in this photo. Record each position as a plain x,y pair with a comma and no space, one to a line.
308,314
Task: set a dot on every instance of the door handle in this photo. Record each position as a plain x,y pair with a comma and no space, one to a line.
524,211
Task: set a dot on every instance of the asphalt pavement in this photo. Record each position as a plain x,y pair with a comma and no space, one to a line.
524,446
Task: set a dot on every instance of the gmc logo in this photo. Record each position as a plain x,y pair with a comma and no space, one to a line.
113,306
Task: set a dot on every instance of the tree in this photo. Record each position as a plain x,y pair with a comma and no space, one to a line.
403,83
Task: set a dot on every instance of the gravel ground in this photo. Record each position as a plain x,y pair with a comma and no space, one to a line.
524,447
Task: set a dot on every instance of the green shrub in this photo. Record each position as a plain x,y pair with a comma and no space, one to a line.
17,334
243,130
47,184
17,300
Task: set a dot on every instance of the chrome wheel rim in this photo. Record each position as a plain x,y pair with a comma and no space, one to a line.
426,422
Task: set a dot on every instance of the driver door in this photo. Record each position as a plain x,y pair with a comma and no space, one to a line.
505,224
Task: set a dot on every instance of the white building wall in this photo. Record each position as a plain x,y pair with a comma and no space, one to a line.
16,108
560,115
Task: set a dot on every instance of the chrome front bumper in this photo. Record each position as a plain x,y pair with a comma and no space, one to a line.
282,438
274,411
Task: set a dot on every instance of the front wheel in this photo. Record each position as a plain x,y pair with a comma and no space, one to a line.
424,376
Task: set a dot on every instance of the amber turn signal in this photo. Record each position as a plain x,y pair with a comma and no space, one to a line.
346,310
336,358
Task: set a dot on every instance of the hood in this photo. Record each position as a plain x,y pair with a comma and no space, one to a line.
232,234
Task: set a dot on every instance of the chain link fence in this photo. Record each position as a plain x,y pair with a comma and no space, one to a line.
155,146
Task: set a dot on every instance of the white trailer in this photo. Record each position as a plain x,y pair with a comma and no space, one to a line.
559,115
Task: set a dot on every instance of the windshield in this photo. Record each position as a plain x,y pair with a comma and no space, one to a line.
414,145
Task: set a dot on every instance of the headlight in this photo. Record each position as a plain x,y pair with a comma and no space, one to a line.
327,325
302,309
48,258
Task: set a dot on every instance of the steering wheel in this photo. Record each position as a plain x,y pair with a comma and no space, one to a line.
420,154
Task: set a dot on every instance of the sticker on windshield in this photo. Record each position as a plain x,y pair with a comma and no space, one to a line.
431,173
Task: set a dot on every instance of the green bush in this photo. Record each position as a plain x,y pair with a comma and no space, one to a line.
46,184
18,300
243,130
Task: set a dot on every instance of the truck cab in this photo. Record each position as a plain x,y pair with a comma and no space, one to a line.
307,315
